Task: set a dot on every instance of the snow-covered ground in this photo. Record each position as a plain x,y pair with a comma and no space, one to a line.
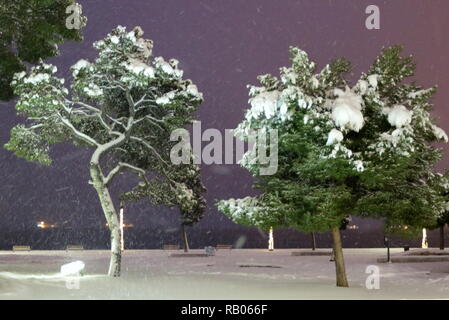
153,274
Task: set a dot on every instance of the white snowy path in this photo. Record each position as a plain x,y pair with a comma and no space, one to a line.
152,274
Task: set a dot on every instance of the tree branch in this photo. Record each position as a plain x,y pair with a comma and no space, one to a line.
77,133
119,168
147,145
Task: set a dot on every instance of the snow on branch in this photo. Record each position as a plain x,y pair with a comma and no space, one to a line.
246,211
120,168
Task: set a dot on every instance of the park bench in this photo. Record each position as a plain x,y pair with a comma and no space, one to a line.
74,248
21,248
223,246
170,247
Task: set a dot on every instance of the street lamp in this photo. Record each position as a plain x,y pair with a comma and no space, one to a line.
424,243
270,240
122,239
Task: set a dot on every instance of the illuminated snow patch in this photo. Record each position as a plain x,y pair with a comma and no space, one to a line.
73,269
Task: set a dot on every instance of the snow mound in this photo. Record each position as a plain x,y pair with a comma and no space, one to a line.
166,98
138,67
37,78
362,86
417,94
399,116
19,75
265,103
373,80
193,90
439,133
167,68
73,269
346,110
115,40
93,91
359,166
78,66
334,136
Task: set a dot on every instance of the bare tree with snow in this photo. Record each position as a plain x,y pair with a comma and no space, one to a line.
122,106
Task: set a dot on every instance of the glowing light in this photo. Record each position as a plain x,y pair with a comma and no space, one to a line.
271,240
424,243
73,269
44,225
122,240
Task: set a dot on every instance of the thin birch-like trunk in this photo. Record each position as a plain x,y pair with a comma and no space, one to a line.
111,218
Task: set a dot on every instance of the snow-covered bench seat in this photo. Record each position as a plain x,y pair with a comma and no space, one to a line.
21,248
223,246
74,247
170,247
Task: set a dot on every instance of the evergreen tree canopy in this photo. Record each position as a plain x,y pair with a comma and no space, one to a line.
343,151
30,30
124,93
363,151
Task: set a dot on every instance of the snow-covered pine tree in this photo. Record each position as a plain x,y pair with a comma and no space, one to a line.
178,186
123,106
31,30
400,185
337,145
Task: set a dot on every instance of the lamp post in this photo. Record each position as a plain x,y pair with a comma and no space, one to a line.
424,243
387,244
270,240
122,239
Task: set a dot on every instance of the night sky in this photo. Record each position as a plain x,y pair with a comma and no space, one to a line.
222,46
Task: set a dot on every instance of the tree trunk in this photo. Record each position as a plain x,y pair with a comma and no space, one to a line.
111,218
313,241
340,270
184,238
442,237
